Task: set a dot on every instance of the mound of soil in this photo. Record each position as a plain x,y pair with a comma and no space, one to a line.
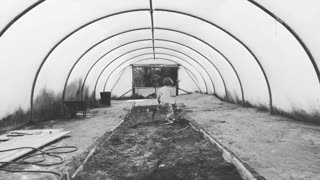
144,147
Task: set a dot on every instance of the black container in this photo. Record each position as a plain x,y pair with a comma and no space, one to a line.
105,98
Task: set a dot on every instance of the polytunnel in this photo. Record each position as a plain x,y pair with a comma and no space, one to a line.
255,53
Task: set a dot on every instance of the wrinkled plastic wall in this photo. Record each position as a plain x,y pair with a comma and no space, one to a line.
233,48
25,45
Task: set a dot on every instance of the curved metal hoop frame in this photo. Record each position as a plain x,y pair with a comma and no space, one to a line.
297,37
165,10
186,69
189,35
109,63
78,60
177,57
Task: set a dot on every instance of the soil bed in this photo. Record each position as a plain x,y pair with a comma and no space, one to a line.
146,148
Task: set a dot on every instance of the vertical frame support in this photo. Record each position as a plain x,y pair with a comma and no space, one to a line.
133,89
177,80
152,29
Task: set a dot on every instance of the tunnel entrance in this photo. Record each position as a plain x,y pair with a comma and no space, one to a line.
147,78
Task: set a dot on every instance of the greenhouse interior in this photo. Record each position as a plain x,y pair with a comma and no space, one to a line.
160,89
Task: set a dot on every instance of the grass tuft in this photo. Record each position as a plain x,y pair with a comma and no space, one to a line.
48,105
15,120
300,115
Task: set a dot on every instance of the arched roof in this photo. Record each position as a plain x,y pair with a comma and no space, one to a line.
254,51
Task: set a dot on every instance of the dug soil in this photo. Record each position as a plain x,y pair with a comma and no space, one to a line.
146,147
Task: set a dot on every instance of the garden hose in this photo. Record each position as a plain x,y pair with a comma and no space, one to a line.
43,153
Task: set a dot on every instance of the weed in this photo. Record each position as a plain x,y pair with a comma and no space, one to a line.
15,120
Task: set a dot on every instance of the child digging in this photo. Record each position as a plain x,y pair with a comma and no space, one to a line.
164,98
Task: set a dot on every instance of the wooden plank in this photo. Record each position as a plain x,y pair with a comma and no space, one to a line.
25,141
33,138
14,134
36,131
135,100
36,142
4,138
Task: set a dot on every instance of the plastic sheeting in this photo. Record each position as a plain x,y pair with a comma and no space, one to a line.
262,53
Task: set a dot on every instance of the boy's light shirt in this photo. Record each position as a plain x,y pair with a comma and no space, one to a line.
165,95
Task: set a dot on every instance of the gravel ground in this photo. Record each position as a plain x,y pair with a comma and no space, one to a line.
276,147
84,133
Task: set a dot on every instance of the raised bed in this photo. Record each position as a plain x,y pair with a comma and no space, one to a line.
146,148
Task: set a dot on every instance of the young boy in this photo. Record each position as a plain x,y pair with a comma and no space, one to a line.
164,98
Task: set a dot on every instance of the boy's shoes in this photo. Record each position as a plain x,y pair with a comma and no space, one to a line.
169,121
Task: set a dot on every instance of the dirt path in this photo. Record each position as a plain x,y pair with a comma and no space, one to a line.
84,133
276,147
143,148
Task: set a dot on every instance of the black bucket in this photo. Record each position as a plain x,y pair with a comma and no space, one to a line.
105,98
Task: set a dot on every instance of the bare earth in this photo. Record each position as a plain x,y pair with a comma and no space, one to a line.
276,147
146,148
